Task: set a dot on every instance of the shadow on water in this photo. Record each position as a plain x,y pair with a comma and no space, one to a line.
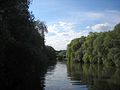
96,77
48,70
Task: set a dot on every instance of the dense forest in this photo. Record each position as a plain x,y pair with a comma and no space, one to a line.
23,54
96,48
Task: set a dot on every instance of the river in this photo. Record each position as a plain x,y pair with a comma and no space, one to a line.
82,77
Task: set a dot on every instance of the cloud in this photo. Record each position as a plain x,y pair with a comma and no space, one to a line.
77,24
60,41
83,17
64,33
88,27
52,28
101,27
60,27
66,25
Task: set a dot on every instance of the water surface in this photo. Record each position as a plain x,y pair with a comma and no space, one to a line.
82,77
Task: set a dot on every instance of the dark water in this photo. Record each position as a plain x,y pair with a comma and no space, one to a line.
82,77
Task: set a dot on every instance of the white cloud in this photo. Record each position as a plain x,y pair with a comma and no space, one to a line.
64,30
60,41
88,27
101,27
61,38
66,25
52,28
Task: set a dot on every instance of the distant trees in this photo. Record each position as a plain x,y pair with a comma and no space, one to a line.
61,55
98,48
51,53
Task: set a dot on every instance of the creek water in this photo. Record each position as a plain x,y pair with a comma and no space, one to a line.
78,76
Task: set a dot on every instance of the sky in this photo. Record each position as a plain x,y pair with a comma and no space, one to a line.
69,19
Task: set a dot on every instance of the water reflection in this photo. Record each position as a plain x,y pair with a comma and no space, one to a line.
49,69
94,76
57,79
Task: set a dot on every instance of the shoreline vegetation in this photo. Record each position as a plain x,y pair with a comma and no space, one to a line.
24,58
96,48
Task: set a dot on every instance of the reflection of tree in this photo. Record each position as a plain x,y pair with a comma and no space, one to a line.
115,80
97,77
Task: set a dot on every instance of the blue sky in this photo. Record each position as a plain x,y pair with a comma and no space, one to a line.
69,19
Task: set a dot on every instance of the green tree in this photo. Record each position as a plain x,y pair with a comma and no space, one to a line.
23,57
88,47
103,47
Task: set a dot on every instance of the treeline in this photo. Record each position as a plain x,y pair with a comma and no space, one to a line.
61,55
23,54
100,48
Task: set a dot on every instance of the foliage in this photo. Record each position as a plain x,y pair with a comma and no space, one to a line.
74,46
61,55
51,53
98,48
23,54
